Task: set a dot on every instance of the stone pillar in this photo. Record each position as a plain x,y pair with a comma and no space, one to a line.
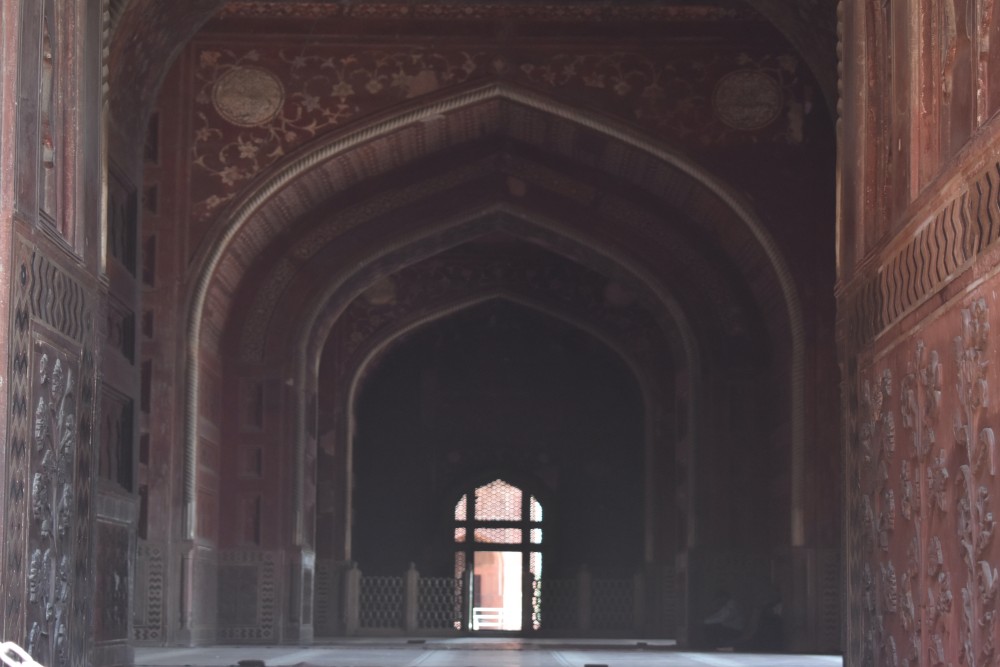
186,558
301,574
467,597
583,597
411,587
639,602
352,600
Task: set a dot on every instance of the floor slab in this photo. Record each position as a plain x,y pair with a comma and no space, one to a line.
472,652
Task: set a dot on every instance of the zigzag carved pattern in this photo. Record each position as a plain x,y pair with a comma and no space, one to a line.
16,484
962,230
265,596
56,298
152,584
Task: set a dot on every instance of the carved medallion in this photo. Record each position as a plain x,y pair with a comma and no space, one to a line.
248,96
747,99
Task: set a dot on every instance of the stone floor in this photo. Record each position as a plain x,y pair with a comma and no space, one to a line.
473,652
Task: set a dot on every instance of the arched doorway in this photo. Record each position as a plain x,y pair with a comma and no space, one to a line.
498,557
274,269
474,420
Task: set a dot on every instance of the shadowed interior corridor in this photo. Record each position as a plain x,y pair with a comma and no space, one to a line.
330,323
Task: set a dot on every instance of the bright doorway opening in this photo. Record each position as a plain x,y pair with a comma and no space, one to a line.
496,590
498,557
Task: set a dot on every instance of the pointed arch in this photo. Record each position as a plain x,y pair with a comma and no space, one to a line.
243,215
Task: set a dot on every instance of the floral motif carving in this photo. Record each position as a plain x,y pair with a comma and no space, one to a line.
909,497
52,507
939,603
935,653
878,431
921,399
890,589
323,91
326,87
891,654
975,519
908,611
924,483
937,482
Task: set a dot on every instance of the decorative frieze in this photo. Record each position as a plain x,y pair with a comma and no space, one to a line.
561,13
150,581
961,230
255,106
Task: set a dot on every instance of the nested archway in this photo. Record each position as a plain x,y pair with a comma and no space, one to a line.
581,446
290,264
345,378
284,200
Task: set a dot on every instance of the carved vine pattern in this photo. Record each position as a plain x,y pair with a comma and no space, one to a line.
880,589
976,448
324,91
326,88
984,22
927,579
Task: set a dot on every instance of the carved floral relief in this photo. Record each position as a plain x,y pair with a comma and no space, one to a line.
933,599
930,581
50,571
255,106
975,442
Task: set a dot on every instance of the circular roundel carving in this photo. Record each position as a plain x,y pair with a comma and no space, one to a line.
747,99
248,96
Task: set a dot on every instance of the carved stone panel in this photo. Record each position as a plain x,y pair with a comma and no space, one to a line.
116,462
53,508
112,582
248,595
49,471
150,580
929,588
120,329
976,444
17,482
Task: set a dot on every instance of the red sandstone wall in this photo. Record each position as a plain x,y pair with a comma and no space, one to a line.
53,309
917,303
